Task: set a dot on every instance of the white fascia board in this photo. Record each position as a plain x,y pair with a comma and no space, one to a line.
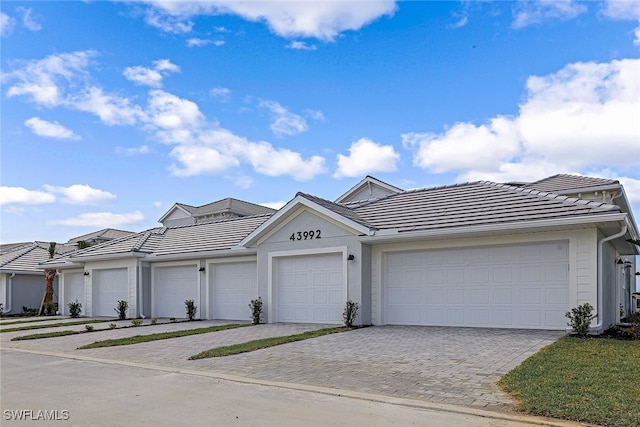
105,257
200,255
29,272
607,187
283,213
60,265
488,228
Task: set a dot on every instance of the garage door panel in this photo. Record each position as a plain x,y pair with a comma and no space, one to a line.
527,289
314,294
173,285
233,286
108,287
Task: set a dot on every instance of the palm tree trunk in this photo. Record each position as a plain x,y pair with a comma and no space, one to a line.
49,276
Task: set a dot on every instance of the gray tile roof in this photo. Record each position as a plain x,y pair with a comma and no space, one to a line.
26,256
104,234
211,236
339,208
563,183
476,203
231,205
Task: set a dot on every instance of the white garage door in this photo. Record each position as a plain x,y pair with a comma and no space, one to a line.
234,286
309,289
73,290
517,286
172,287
109,286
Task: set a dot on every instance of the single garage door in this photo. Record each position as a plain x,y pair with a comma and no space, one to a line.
234,286
516,286
109,286
73,290
309,289
172,287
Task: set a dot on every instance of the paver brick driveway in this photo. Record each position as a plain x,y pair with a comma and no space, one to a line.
447,365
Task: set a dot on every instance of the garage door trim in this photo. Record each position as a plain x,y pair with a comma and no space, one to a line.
273,256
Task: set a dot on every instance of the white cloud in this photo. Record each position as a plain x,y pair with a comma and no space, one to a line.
243,181
315,115
582,117
28,21
43,80
22,196
133,151
7,24
151,76
284,122
626,10
221,93
168,111
101,220
298,45
196,42
199,160
465,146
272,161
111,109
81,194
50,129
143,76
309,18
540,11
366,156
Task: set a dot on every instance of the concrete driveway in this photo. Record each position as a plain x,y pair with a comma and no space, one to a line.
456,366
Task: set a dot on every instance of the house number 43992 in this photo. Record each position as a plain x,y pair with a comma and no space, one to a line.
304,235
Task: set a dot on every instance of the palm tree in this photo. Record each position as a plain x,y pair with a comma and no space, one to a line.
49,276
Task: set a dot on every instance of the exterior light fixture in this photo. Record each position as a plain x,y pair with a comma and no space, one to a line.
201,269
86,273
350,257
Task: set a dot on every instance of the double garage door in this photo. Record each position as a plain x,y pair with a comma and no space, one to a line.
309,289
515,286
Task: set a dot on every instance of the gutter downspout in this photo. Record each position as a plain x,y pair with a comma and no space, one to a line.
7,308
140,296
600,304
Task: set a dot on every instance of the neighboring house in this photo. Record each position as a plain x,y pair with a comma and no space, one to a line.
478,254
181,214
100,236
22,282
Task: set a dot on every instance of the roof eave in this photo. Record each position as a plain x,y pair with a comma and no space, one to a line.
119,255
396,234
235,251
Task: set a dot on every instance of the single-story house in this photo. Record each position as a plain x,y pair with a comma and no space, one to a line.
478,254
22,282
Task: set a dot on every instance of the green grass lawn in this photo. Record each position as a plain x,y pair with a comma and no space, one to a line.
14,321
52,325
46,335
264,343
593,380
161,336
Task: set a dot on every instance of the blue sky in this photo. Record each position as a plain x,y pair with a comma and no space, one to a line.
113,111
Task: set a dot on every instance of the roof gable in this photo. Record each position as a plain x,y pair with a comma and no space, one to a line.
571,184
335,212
368,188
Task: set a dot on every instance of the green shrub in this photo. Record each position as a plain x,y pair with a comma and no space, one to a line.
173,319
350,312
1,309
112,326
121,309
75,308
136,322
154,321
191,309
28,311
256,310
49,308
89,328
580,318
